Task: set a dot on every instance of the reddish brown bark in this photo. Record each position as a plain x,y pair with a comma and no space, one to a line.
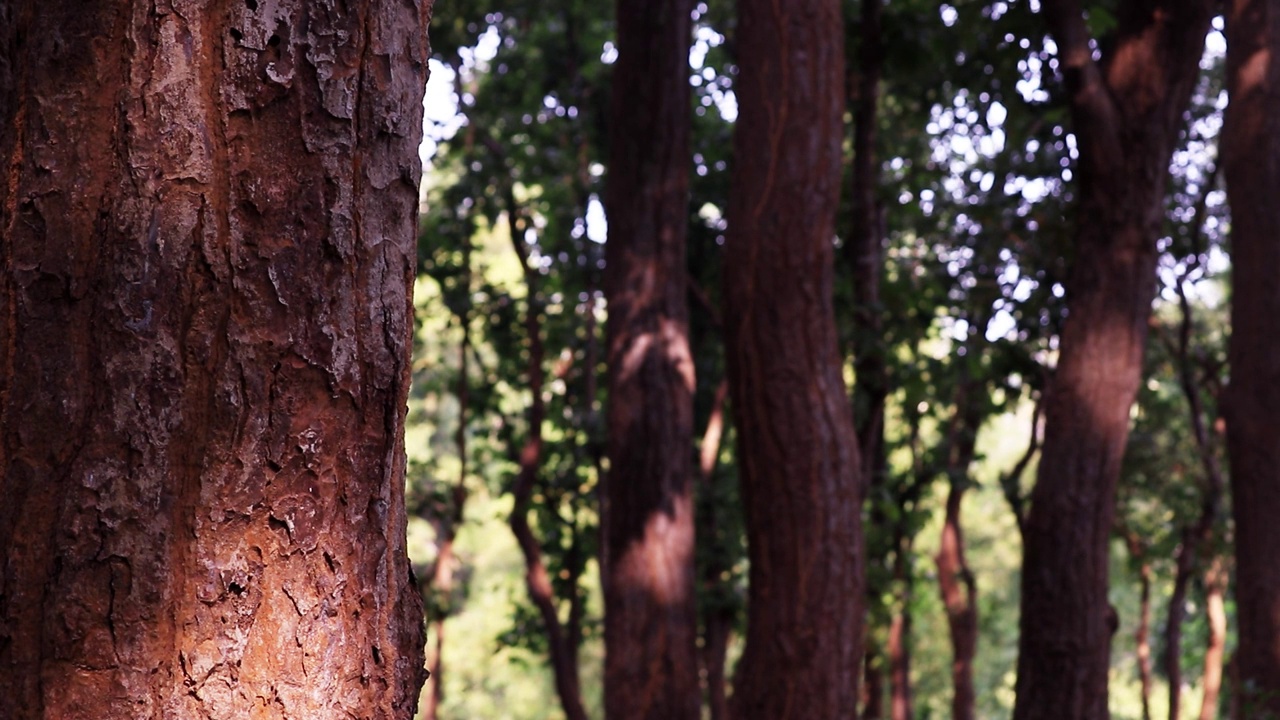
1127,110
1215,590
207,222
797,451
956,583
1252,407
960,599
900,664
651,660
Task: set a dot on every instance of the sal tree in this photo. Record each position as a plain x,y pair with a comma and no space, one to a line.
206,228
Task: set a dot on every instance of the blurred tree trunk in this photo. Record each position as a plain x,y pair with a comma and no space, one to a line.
562,637
651,630
872,685
1250,149
717,618
207,223
1215,588
1142,634
1127,110
801,473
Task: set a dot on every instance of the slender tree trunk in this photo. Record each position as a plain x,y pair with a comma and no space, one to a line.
899,644
207,222
797,450
1142,635
1215,586
956,583
442,576
717,619
1250,150
561,644
651,624
959,598
1127,109
864,250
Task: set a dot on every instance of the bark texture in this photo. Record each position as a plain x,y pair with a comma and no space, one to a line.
1127,110
1251,151
207,222
800,467
651,622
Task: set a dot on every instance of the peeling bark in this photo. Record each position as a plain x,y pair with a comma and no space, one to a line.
208,222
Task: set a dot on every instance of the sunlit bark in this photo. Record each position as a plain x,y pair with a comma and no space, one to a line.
207,223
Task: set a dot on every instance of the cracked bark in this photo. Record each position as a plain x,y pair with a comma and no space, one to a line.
208,218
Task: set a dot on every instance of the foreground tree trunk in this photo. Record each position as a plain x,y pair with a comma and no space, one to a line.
1127,109
651,622
207,222
799,459
1250,150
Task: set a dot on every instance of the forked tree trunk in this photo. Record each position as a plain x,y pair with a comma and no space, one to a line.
797,451
650,624
1251,150
207,221
1127,110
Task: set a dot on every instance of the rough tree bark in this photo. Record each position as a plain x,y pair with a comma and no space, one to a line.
800,468
1127,110
650,623
1250,149
207,223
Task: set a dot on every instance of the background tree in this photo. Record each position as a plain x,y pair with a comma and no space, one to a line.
207,216
800,467
1127,109
651,668
1249,148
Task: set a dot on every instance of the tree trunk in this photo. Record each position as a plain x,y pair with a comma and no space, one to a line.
1142,635
960,599
208,218
651,629
798,455
717,618
1127,109
899,649
562,646
1215,587
1250,150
